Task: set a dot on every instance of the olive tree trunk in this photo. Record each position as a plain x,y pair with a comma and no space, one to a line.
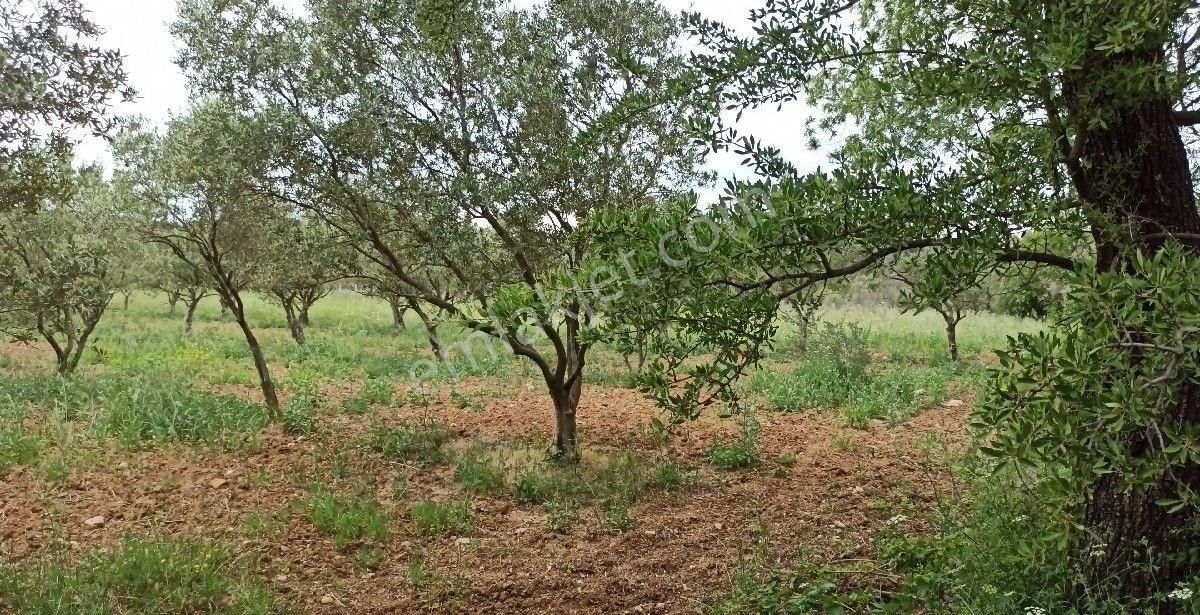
398,311
190,318
431,332
1134,168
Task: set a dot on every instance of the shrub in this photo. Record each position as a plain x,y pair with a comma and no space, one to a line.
437,518
846,347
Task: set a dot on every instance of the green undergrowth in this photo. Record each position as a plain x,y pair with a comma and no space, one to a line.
143,576
37,412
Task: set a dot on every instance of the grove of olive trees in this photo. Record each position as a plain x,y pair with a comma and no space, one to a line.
544,190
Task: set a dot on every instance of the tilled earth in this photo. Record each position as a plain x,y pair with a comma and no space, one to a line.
681,551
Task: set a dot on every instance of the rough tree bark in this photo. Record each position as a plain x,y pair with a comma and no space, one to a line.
1134,169
431,333
398,312
190,318
566,388
295,319
952,319
69,352
270,398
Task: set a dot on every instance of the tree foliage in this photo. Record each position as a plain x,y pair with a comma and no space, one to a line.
54,80
60,264
468,139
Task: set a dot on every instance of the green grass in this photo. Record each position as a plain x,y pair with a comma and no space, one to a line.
376,391
135,411
145,576
351,338
921,337
414,443
739,453
475,473
441,518
347,518
621,475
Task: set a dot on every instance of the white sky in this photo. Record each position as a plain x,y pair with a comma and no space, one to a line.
139,28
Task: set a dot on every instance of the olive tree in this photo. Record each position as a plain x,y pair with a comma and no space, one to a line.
307,260
59,266
193,179
466,141
943,283
56,81
963,125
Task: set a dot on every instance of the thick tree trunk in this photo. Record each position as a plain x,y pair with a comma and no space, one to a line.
397,312
951,336
190,318
566,426
260,365
305,319
566,388
295,324
1134,169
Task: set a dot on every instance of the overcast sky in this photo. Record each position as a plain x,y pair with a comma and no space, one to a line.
139,28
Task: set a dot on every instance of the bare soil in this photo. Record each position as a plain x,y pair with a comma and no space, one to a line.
680,553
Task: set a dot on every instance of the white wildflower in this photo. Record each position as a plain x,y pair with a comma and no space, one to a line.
894,521
1021,519
1181,594
1034,610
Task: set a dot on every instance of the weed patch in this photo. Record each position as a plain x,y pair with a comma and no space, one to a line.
146,576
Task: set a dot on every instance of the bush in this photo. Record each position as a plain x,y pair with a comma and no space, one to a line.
437,518
993,554
846,347
146,576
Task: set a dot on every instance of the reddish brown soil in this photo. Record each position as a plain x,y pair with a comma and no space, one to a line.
681,551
